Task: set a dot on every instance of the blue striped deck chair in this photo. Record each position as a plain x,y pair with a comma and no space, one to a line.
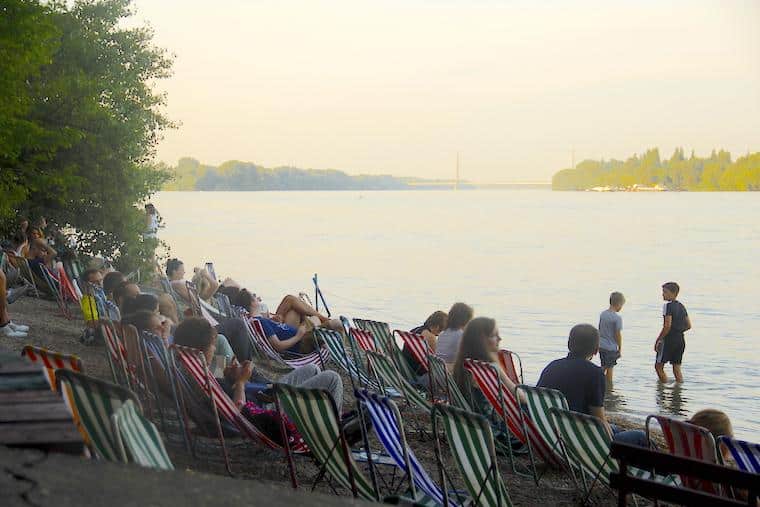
138,441
389,428
471,443
746,455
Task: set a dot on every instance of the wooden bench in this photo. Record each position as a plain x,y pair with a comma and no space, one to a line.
666,464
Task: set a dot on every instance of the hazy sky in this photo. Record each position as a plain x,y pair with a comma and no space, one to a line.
400,86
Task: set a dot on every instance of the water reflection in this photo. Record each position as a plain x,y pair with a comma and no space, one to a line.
670,398
614,401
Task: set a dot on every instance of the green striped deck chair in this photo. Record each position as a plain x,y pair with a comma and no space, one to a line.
315,415
387,344
333,343
388,376
471,443
443,382
138,440
95,401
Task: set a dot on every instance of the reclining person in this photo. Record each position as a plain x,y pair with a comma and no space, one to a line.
205,283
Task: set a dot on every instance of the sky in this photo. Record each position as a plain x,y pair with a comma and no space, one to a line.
517,88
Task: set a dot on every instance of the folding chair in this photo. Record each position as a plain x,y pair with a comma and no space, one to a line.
55,286
388,376
116,353
315,415
95,402
196,304
417,347
441,382
332,342
746,455
689,441
166,285
25,270
471,443
261,342
507,360
387,345
52,361
365,339
137,439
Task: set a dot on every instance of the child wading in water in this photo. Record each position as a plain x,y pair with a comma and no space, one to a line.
610,337
670,343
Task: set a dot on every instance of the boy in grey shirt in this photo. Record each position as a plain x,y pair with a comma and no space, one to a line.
610,338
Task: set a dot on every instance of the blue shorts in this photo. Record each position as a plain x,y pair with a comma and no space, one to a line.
608,358
278,329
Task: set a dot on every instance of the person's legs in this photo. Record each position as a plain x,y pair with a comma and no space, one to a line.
292,303
310,377
632,437
660,369
677,373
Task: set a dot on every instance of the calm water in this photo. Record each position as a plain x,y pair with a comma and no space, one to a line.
537,261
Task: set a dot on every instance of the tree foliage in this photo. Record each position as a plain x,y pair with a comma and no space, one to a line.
716,172
80,121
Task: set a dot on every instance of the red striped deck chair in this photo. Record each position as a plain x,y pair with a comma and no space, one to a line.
261,341
416,345
365,339
194,363
116,353
52,361
67,287
505,404
689,441
507,360
56,288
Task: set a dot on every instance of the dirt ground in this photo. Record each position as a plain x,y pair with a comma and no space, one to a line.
249,461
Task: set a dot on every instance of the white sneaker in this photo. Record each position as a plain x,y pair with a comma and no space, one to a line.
11,333
18,327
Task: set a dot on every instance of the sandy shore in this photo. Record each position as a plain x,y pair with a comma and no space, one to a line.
49,329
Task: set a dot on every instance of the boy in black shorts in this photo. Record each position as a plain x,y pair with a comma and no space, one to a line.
670,343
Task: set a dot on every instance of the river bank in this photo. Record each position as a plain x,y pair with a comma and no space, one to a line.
49,329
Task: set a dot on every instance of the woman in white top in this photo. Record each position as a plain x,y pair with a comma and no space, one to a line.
448,341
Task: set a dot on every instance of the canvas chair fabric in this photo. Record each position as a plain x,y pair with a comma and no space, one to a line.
746,455
471,442
138,440
388,375
365,339
314,414
387,345
442,379
95,402
489,382
417,346
256,331
115,352
333,343
539,401
52,361
507,360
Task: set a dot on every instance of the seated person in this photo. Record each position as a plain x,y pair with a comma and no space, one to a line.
430,330
42,256
151,322
583,383
448,340
123,291
8,328
93,302
205,283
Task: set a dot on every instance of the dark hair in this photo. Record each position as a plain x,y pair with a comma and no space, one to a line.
672,287
172,265
243,298
120,292
19,237
473,345
138,303
195,332
140,319
583,341
459,315
437,319
617,298
113,280
230,292
87,273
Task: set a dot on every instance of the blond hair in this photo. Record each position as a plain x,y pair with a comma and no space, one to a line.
715,421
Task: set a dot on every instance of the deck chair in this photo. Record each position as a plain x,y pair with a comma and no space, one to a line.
332,341
193,362
261,343
539,401
688,441
471,443
442,383
55,287
387,345
24,270
389,429
512,365
388,376
116,353
138,440
196,304
365,339
416,345
504,403
52,361
95,402
315,415
746,455
166,285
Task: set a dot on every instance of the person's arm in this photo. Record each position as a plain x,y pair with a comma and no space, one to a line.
511,386
598,412
213,285
181,289
430,339
667,322
283,345
688,323
619,340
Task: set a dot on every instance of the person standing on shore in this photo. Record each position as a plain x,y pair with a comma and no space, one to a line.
670,343
610,337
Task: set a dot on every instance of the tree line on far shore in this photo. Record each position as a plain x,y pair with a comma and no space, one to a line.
716,172
190,174
80,120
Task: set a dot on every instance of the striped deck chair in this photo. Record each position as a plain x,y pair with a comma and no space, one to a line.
443,383
587,445
365,339
507,360
746,455
52,361
194,363
262,343
315,415
95,402
505,404
196,304
24,270
116,353
166,285
388,376
416,345
689,441
387,345
56,287
471,443
332,342
388,424
138,440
